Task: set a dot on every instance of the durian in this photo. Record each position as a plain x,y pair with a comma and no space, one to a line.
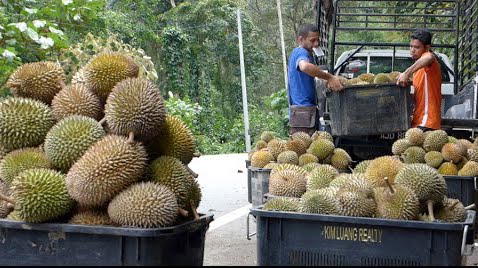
415,136
320,177
341,159
20,160
396,202
289,157
448,168
288,183
69,139
469,169
381,167
91,217
282,204
174,139
319,201
37,80
105,70
135,105
144,205
105,169
321,148
433,159
399,146
307,158
40,195
261,158
414,154
435,140
76,100
23,122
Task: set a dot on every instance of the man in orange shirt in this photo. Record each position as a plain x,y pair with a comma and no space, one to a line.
426,73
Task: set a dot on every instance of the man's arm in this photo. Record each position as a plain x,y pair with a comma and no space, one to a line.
423,61
313,70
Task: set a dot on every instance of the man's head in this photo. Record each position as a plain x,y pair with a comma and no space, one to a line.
420,43
308,36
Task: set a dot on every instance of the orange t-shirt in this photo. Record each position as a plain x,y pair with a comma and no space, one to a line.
427,84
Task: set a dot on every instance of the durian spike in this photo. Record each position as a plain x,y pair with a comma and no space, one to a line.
131,137
196,215
430,210
389,185
7,199
183,212
194,174
472,206
10,206
102,121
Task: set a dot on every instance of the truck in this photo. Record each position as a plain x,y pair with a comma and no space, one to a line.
379,44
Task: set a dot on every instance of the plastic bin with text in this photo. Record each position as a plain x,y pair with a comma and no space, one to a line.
67,244
369,110
463,188
259,185
285,238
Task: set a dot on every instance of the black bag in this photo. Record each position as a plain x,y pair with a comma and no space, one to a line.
302,116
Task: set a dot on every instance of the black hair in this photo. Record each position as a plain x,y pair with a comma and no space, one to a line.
305,29
423,35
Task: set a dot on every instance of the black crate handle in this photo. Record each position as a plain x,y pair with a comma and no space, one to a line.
466,249
249,235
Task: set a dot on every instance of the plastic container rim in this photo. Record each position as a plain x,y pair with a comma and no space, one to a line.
189,226
365,221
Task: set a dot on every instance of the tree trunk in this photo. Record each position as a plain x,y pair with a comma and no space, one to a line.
173,4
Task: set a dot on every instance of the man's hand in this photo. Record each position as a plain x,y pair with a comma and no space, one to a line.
334,83
403,79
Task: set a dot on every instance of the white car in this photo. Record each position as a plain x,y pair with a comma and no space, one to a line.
380,61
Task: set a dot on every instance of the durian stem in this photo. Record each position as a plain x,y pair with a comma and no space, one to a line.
430,210
194,174
102,121
351,169
389,185
196,154
472,206
454,204
7,199
183,212
131,137
193,208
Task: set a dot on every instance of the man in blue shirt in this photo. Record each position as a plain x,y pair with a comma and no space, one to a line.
303,115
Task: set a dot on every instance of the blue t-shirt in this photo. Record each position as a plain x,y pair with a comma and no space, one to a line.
301,85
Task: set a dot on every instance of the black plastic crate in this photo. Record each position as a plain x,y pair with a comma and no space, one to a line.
259,185
67,244
463,188
370,110
249,193
285,238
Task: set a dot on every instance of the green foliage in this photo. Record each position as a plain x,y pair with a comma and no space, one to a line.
76,56
37,30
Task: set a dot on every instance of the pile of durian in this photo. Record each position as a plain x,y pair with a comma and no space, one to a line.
100,151
370,78
451,156
300,149
384,187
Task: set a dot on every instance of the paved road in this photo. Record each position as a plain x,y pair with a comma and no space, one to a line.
224,190
223,181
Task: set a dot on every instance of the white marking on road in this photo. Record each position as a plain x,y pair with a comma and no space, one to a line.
231,216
